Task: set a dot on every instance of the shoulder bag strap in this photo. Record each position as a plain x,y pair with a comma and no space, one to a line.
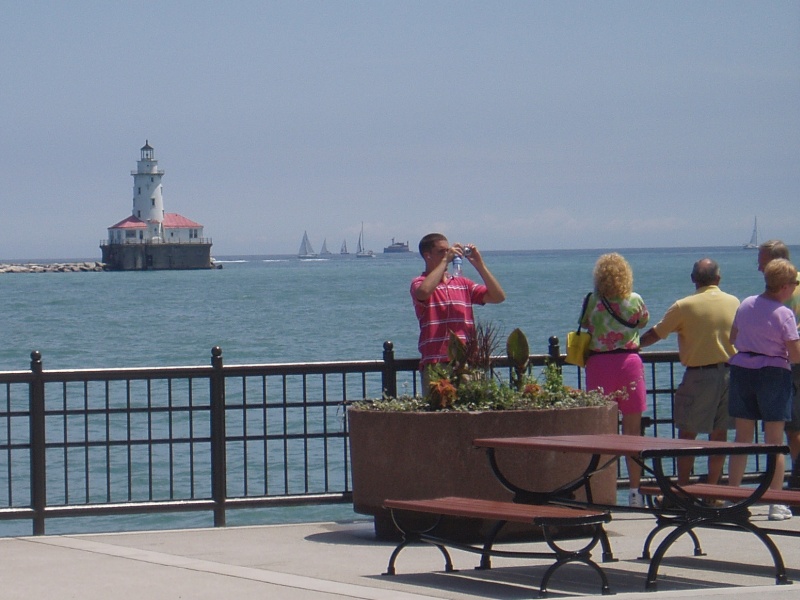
583,310
616,316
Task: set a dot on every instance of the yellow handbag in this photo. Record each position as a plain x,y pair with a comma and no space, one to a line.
578,341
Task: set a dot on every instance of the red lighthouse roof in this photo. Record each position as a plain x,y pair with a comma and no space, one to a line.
174,220
130,223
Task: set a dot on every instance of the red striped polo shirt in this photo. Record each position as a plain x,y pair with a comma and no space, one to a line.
448,309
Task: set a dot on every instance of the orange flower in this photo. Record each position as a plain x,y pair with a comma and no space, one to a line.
444,391
532,389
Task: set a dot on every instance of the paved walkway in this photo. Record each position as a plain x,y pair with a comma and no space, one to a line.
323,561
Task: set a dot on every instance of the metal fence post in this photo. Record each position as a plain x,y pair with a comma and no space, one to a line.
219,483
389,375
554,350
38,453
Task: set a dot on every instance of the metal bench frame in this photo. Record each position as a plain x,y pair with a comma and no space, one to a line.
549,517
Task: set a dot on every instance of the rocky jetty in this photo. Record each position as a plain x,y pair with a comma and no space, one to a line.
79,267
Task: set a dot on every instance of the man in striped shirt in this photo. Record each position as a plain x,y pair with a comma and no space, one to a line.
443,303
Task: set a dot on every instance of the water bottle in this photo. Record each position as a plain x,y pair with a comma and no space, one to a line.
457,260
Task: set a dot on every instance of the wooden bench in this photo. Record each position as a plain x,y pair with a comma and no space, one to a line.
546,516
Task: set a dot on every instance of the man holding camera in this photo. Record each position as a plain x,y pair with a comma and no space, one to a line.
442,302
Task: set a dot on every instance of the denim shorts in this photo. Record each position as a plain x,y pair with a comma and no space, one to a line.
764,393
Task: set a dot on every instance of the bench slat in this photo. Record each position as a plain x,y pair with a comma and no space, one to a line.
728,492
499,510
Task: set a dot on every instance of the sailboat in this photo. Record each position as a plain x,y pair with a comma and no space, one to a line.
325,251
306,251
344,248
361,252
753,243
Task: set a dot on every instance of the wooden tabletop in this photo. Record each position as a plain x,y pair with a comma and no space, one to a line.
628,445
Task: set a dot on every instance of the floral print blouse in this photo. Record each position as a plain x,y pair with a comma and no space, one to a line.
608,333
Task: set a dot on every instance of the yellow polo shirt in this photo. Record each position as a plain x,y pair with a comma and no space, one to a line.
703,324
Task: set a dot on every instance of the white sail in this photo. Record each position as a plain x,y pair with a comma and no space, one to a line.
361,251
344,248
325,250
306,251
753,243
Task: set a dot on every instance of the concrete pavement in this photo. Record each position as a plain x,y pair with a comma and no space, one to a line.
335,561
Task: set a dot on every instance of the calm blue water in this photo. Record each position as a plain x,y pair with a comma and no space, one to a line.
281,309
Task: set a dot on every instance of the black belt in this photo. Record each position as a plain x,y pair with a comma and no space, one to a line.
714,366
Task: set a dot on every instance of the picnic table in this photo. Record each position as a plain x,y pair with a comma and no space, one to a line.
682,513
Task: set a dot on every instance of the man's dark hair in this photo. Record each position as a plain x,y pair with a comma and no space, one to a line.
427,243
705,272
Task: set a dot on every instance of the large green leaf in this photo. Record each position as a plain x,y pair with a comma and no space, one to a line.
517,348
456,350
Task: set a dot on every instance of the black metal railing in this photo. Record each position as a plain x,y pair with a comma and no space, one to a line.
91,442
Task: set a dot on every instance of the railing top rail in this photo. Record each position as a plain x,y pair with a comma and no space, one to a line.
310,366
166,372
15,376
125,373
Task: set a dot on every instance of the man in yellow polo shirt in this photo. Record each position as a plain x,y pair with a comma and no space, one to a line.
703,324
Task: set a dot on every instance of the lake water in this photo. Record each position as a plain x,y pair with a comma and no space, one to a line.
281,309
263,309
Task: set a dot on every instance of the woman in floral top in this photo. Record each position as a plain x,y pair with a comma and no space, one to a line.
615,315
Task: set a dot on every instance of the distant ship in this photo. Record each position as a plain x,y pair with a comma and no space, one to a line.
306,251
325,251
344,248
753,243
396,247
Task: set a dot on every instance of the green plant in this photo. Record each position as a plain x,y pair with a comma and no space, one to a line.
464,384
519,354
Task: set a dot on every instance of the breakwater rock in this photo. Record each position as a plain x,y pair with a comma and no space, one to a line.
78,267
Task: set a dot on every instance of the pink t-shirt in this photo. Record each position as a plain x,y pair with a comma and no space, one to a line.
448,309
763,327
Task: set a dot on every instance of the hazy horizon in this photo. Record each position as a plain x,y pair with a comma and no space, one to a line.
413,254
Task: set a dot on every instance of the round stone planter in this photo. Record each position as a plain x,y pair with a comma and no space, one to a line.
413,455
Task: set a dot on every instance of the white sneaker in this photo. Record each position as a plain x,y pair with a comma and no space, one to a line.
635,499
779,512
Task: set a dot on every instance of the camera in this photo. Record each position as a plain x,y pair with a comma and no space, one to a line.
467,250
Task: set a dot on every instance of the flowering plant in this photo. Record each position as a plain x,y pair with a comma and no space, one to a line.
466,382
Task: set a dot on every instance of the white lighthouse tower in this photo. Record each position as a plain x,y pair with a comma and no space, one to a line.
148,203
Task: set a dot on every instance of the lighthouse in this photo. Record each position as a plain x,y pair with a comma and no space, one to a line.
151,238
148,202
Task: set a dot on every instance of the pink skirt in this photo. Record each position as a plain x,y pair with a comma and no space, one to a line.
614,371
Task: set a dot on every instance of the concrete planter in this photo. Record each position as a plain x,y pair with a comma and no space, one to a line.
412,455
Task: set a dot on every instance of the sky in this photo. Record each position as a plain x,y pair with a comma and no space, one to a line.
509,124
